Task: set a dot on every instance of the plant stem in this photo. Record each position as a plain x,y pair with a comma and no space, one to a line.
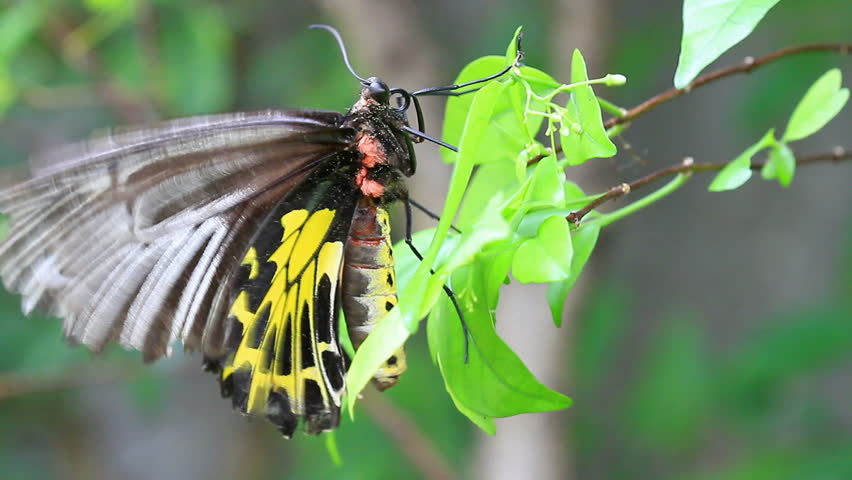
748,64
838,154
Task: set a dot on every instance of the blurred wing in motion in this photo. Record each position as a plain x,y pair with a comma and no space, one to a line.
138,236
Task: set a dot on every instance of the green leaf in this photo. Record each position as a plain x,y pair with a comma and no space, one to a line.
420,297
406,262
512,49
459,106
710,28
822,102
532,150
489,180
583,242
733,176
736,173
484,422
494,382
490,227
583,134
331,447
508,131
545,189
546,257
781,164
414,308
390,333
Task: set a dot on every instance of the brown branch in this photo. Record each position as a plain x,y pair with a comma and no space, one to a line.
689,166
409,437
747,66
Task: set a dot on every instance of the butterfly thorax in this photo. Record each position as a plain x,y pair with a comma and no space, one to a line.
384,150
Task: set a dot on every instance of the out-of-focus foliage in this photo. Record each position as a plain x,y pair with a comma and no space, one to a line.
753,393
168,58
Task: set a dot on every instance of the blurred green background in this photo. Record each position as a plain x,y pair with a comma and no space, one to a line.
711,336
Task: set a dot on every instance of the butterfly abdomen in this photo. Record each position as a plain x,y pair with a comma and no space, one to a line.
369,283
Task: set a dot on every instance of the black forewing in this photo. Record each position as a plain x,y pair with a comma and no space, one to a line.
135,236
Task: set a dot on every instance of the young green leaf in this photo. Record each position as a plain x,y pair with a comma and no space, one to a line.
458,107
390,333
583,242
583,134
331,448
481,113
512,48
710,28
733,176
547,256
484,422
509,131
781,164
494,382
489,180
545,189
736,173
822,102
491,227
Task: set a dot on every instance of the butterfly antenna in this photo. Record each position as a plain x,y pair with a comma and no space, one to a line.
340,44
449,90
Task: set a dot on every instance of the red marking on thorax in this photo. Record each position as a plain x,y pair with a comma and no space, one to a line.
372,154
369,187
372,151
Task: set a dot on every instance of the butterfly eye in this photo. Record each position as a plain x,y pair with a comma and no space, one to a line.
378,90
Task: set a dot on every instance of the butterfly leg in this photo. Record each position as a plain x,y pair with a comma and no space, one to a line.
429,213
452,296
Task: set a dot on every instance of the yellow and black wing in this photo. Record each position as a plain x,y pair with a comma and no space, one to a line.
285,360
137,236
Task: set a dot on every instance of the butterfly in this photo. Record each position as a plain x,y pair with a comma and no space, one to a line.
241,235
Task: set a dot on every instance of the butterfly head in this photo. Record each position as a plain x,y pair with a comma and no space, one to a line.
376,90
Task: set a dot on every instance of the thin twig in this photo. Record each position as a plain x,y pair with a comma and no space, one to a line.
409,437
688,166
747,66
